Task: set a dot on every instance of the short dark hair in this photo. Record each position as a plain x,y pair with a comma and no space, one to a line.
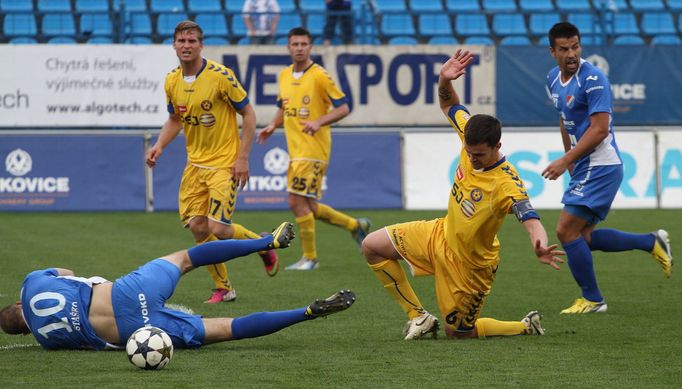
483,129
299,31
11,320
562,30
188,25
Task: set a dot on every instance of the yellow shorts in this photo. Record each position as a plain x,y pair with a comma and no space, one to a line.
207,192
304,177
461,289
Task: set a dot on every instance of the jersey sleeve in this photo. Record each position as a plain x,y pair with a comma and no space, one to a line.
169,99
51,272
336,96
279,89
233,90
512,191
458,116
597,93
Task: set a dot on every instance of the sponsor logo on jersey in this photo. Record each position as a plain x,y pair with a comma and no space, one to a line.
468,208
303,113
206,105
570,100
459,173
476,195
306,99
182,108
207,119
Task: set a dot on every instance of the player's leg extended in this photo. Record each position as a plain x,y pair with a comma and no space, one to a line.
359,228
656,243
265,323
574,219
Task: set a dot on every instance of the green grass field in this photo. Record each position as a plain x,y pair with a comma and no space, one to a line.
636,344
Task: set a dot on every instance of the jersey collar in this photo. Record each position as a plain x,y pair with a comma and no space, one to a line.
496,164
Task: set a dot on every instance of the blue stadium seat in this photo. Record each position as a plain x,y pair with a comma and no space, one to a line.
58,24
675,5
244,41
402,40
287,5
238,27
499,5
536,5
282,41
320,41
434,24
139,40
96,24
539,24
315,23
54,5
390,5
168,41
591,40
426,5
91,5
397,24
462,5
443,40
657,23
479,40
509,24
518,40
647,5
573,5
166,6
19,24
615,5
625,23
287,22
471,24
213,24
587,23
130,5
216,41
628,40
23,40
368,40
139,24
62,40
99,40
666,40
16,5
234,5
204,5
166,22
312,5
543,41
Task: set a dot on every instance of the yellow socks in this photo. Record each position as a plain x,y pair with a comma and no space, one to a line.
393,278
241,232
306,226
330,215
219,271
492,327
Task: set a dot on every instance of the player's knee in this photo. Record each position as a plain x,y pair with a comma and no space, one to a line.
451,333
371,248
221,231
566,234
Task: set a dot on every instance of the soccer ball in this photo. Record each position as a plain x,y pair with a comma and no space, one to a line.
149,348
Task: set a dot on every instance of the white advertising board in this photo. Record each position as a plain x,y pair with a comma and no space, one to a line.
430,160
670,161
84,85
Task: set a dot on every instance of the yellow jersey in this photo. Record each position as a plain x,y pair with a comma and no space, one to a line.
208,107
307,98
479,201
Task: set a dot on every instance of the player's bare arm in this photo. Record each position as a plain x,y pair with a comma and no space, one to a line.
268,130
538,238
331,117
595,134
169,131
65,272
240,170
452,69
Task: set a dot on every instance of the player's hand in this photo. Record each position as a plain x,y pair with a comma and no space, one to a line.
240,172
310,127
555,169
152,155
265,133
455,67
548,255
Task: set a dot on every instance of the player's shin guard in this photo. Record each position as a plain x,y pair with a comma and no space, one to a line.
223,250
329,215
306,226
264,323
491,327
610,240
393,278
581,264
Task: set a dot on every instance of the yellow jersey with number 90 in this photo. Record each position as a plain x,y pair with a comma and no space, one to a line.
478,203
305,99
208,107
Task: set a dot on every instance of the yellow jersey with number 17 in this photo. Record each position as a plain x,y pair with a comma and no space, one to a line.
479,201
304,98
208,107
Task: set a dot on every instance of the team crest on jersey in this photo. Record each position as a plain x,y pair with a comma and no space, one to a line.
303,113
570,99
306,99
182,108
207,120
459,173
206,105
468,208
476,195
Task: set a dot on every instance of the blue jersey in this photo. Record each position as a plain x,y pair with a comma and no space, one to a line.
586,93
56,310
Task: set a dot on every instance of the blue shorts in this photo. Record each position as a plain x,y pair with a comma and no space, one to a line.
591,191
138,300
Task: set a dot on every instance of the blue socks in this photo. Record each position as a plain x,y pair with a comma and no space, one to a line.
580,262
219,251
264,323
606,239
